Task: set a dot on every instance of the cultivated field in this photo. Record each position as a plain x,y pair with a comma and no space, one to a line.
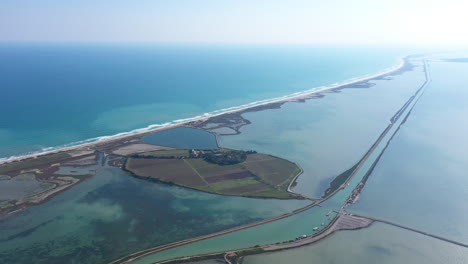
260,175
165,153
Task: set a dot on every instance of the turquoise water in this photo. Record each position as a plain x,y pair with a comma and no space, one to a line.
112,215
183,137
278,231
303,223
379,243
54,94
22,186
421,180
326,136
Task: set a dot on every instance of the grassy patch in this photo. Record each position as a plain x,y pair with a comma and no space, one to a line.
259,175
196,259
251,251
271,193
339,180
165,153
167,170
31,163
206,168
275,171
233,183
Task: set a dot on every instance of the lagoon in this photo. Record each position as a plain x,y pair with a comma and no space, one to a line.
420,181
303,223
113,214
324,136
183,138
379,243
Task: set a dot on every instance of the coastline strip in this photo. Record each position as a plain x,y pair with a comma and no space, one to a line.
180,122
393,120
343,221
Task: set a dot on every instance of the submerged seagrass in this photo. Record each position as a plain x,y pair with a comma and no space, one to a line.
98,221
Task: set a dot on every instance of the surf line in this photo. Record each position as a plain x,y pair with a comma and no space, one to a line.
409,104
403,61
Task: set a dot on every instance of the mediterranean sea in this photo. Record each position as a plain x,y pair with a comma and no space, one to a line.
68,93
63,94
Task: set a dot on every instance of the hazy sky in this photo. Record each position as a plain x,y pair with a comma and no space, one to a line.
236,21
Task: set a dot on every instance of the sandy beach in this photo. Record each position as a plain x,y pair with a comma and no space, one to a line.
126,137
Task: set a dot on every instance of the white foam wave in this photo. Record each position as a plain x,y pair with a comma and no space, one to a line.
218,112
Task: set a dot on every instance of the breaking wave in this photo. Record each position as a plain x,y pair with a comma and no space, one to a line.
155,127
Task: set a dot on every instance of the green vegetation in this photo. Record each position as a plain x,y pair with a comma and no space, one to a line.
232,257
34,162
339,180
257,175
170,153
256,250
193,259
228,157
239,255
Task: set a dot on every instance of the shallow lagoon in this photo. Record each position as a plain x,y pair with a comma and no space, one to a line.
326,136
421,179
379,243
408,187
112,215
296,132
284,229
21,186
184,138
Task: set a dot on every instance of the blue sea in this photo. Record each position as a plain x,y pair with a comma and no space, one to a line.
420,182
56,94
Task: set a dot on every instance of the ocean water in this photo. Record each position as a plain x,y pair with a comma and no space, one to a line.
388,95
112,214
330,135
54,94
421,180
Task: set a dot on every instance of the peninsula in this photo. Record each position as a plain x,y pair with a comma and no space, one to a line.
43,168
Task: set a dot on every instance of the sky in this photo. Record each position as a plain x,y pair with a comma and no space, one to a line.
236,21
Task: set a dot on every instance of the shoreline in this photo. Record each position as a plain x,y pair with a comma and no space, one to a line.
45,196
316,237
143,253
343,221
131,135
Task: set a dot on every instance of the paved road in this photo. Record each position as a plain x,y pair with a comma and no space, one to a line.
345,221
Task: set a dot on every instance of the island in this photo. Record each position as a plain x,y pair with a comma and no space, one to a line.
260,175
220,171
34,180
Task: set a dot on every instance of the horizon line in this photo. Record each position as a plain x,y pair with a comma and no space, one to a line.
133,42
